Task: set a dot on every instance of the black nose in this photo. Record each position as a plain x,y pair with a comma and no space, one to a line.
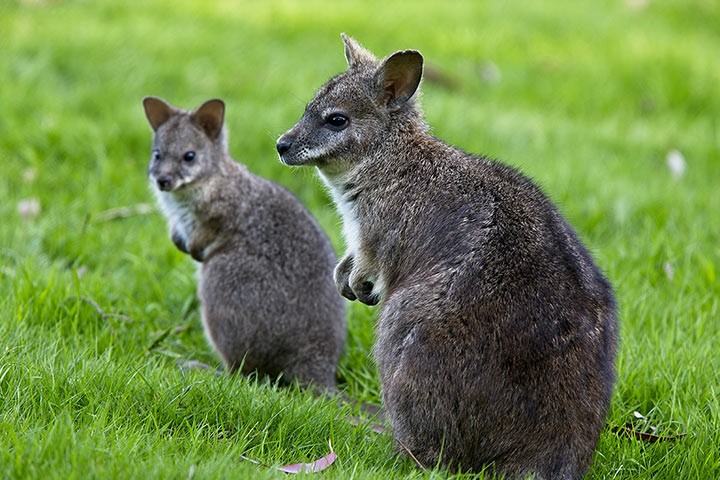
164,183
283,147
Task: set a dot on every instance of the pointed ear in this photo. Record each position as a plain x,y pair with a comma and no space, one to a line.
356,55
158,111
210,117
397,79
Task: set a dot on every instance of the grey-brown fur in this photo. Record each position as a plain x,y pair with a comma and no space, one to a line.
497,335
260,251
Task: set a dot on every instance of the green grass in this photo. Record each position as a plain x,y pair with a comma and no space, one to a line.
590,99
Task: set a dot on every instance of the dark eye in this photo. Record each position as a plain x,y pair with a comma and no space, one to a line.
337,121
156,154
189,156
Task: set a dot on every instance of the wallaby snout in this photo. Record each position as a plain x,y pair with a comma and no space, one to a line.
283,146
164,175
164,183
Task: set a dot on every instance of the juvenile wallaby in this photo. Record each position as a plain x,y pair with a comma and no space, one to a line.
260,251
497,335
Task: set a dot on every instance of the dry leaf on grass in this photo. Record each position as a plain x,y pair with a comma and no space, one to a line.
313,467
631,430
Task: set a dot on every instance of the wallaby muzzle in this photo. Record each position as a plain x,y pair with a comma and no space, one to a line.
284,144
165,183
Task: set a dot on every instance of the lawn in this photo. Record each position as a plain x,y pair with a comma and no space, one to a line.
588,98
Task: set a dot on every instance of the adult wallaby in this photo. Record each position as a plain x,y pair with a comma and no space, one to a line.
497,335
260,250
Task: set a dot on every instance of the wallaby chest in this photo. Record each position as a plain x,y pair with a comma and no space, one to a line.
180,212
343,192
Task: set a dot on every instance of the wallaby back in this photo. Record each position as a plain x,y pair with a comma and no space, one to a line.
497,334
259,248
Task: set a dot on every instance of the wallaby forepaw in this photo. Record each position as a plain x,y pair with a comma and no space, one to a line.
179,241
198,254
365,293
347,292
341,276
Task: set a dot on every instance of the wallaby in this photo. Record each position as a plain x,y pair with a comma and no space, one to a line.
260,251
497,335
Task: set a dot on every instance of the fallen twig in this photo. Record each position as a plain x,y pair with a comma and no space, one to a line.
101,312
411,454
105,316
124,212
629,431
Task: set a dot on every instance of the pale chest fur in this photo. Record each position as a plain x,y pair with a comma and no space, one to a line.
352,228
179,213
346,209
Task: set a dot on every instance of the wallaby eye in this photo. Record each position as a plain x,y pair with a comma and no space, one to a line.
337,121
189,156
156,154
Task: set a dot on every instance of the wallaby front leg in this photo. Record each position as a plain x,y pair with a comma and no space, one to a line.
342,276
197,244
178,240
360,284
201,238
359,281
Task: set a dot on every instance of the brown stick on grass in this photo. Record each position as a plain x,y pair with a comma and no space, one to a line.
105,316
124,212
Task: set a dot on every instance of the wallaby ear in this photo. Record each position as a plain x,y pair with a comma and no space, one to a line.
210,117
397,79
356,55
158,111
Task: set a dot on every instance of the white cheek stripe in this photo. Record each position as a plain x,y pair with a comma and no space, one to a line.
312,153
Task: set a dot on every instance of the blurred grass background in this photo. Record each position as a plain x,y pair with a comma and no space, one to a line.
586,97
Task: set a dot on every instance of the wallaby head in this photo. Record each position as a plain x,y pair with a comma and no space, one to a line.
187,145
355,111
